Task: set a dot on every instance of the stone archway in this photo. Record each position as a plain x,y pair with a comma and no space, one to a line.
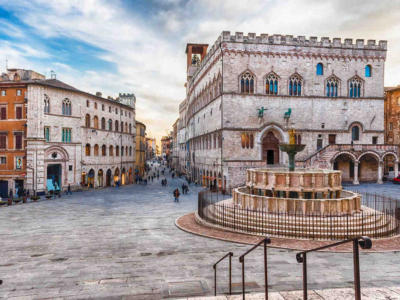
370,168
345,162
108,177
90,179
116,176
270,148
390,165
100,178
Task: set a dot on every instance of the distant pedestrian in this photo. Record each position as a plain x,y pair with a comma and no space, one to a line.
69,190
176,195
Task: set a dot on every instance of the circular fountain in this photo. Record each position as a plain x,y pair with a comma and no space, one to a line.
297,203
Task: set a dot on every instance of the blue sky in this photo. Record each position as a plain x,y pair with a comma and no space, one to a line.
139,46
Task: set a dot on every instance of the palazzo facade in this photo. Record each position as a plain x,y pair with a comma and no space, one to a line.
77,138
245,92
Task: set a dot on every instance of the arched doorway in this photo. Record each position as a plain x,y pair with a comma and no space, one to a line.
91,178
130,175
53,181
116,176
345,163
100,178
270,148
391,166
368,168
123,177
108,177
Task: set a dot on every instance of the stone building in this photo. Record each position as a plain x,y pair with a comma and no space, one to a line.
166,147
392,122
13,86
174,145
244,94
77,138
181,139
140,148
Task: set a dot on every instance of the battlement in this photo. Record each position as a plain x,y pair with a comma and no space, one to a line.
126,95
313,41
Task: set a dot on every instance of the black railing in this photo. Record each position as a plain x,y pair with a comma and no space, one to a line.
379,221
229,254
264,241
363,241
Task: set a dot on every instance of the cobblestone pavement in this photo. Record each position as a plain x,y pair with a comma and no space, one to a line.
123,242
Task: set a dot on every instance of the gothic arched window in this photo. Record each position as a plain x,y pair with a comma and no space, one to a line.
111,151
271,84
368,71
66,107
87,120
320,69
332,86
103,123
116,125
355,85
46,104
247,83
103,150
96,150
109,124
295,83
87,149
96,122
117,151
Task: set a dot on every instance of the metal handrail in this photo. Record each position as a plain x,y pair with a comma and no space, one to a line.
230,254
363,241
264,241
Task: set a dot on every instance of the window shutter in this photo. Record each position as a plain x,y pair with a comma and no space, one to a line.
3,140
18,112
3,113
18,141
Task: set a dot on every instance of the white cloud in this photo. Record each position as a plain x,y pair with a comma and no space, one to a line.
148,51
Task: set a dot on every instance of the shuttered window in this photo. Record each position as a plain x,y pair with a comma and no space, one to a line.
18,112
3,141
3,113
18,141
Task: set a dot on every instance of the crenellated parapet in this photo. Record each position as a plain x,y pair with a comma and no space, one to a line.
278,39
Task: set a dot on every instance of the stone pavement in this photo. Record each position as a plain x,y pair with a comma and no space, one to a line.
327,294
115,243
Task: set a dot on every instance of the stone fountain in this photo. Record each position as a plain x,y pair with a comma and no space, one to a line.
291,149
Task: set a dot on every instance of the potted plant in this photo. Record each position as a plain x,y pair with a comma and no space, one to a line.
17,200
35,198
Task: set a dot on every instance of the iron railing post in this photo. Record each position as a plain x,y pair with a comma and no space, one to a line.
305,291
356,263
266,269
243,288
230,273
215,280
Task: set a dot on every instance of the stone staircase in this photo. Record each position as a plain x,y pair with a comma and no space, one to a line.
370,223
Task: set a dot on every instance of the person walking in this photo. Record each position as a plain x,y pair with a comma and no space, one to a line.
69,190
176,195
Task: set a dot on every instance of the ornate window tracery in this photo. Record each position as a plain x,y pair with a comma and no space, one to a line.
247,83
271,84
355,85
332,86
295,85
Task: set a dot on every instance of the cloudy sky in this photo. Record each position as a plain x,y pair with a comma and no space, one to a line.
139,46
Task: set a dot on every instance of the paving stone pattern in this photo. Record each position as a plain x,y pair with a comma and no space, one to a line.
114,243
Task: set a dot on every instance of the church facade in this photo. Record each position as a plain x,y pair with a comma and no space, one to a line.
245,93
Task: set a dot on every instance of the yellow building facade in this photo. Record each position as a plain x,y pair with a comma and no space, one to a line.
140,148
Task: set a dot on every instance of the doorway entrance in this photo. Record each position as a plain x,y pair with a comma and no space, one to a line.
91,178
108,177
19,187
3,188
270,148
100,178
53,177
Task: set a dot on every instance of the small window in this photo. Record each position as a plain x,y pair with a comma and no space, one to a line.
368,71
87,149
355,133
374,140
102,107
95,105
3,141
3,92
47,134
3,160
322,125
66,135
109,109
247,83
320,69
87,103
19,93
390,126
18,141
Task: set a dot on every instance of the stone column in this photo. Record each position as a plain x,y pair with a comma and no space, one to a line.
380,173
396,168
355,179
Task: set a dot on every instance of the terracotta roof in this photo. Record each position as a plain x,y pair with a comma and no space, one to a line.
392,88
58,84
